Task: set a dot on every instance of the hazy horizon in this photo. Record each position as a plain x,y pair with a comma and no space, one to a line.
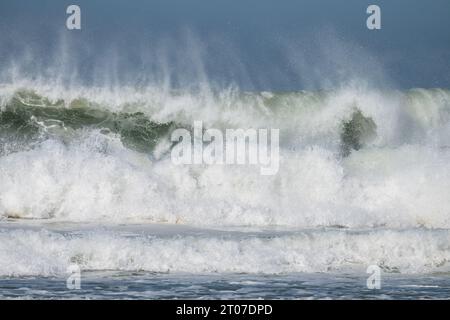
256,45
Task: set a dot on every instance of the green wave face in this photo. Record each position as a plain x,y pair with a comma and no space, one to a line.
29,118
357,132
343,122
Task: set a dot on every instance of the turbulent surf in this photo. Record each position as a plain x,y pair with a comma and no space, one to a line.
360,170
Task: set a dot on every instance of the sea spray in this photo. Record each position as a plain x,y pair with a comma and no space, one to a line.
90,158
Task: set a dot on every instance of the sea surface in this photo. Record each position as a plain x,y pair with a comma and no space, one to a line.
88,185
90,191
176,262
144,285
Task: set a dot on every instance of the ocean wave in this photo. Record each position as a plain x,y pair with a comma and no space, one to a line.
91,158
49,253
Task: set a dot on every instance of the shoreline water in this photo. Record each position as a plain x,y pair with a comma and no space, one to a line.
141,285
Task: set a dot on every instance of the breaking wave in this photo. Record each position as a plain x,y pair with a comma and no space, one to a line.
349,158
50,253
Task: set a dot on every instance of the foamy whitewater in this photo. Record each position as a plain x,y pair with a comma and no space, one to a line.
86,177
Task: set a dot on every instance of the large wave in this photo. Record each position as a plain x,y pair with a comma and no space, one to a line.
352,157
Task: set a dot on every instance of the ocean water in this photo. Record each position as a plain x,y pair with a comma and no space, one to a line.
167,262
142,285
87,182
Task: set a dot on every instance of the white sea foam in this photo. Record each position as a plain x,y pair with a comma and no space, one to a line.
399,180
31,252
